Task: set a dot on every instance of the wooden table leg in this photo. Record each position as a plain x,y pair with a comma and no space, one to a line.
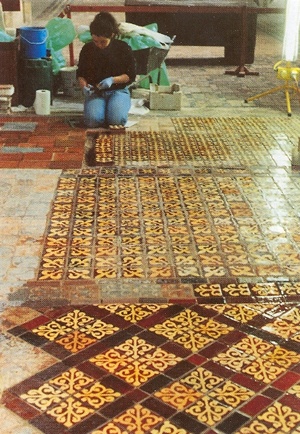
242,70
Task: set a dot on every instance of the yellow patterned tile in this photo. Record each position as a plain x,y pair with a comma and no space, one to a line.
52,330
168,428
256,427
135,361
160,272
207,248
184,239
132,261
241,270
81,242
55,251
96,395
208,411
240,313
263,370
234,359
76,262
191,330
105,273
53,263
214,271
281,357
253,346
45,396
188,270
292,315
178,395
213,329
281,417
76,274
80,251
269,270
295,390
220,308
202,380
208,290
236,290
157,250
71,381
75,331
75,341
70,397
138,419
285,329
50,274
133,312
265,289
110,428
132,272
231,394
109,261
237,259
291,288
213,260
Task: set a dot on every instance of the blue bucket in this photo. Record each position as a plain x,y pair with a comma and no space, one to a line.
33,42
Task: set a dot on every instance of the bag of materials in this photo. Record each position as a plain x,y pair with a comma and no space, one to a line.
61,32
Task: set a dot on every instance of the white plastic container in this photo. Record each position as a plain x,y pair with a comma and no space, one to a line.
165,97
7,90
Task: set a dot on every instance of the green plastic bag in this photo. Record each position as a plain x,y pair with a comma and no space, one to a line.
61,32
5,37
157,76
141,42
58,61
85,37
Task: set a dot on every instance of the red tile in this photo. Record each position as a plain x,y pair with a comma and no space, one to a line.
248,382
36,322
286,381
9,164
42,140
291,401
19,406
11,157
256,405
34,165
65,164
64,156
197,360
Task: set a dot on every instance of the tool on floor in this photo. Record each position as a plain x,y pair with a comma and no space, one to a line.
286,68
290,75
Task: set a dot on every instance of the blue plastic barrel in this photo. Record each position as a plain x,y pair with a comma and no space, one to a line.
33,41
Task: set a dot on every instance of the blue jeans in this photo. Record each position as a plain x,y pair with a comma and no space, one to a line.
109,108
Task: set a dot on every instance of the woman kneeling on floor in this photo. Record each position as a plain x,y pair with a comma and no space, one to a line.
105,69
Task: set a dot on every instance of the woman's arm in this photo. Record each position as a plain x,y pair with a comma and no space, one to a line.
119,79
82,82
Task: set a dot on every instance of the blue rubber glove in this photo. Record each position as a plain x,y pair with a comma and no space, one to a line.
88,90
106,83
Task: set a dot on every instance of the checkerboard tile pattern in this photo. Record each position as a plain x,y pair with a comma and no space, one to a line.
158,224
157,368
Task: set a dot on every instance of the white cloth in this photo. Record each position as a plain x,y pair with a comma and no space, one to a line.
291,33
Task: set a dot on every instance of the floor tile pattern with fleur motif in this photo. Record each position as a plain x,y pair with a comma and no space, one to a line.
157,368
227,142
216,234
164,294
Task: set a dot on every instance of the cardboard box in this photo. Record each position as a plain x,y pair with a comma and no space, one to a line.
165,97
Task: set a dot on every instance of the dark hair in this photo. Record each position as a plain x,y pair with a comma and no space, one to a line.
104,24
